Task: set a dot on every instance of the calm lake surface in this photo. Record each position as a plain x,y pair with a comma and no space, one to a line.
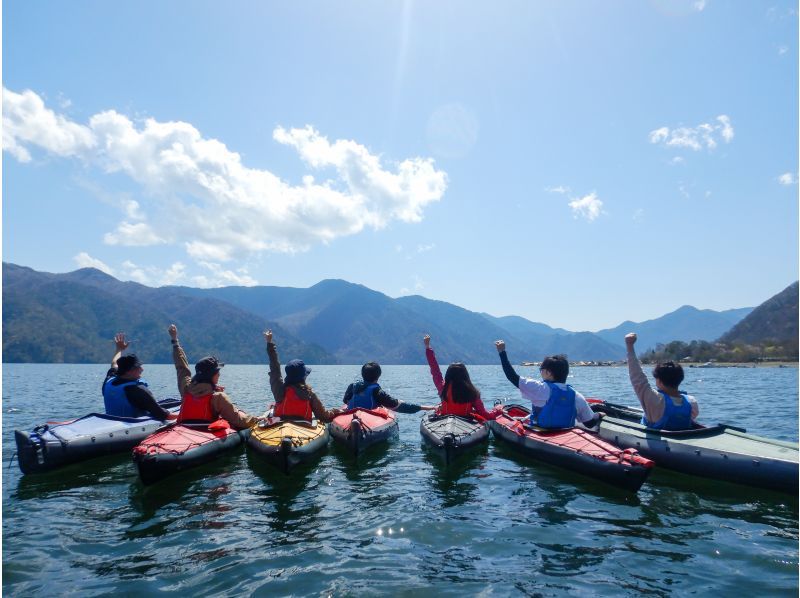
398,522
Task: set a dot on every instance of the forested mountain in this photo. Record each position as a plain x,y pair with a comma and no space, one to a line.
773,323
73,317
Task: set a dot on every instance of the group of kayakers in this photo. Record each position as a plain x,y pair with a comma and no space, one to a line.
554,403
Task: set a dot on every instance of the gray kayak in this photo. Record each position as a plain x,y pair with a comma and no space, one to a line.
452,435
720,452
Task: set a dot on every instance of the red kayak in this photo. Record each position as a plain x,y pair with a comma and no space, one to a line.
573,448
181,446
358,429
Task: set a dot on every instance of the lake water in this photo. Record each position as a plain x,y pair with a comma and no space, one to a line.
398,522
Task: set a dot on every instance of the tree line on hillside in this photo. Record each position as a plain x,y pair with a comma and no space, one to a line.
704,351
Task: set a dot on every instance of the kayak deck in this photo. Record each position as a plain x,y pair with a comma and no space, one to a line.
286,443
358,429
573,448
452,435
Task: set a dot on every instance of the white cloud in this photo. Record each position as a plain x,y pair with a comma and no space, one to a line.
695,138
220,277
699,5
787,178
26,121
425,248
133,235
588,207
683,191
198,193
561,189
677,160
783,50
84,260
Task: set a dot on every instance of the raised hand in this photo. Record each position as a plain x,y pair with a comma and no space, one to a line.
173,332
120,341
501,346
630,339
268,336
427,339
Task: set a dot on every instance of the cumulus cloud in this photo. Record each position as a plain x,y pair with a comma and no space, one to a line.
787,178
198,193
588,207
84,260
704,135
220,277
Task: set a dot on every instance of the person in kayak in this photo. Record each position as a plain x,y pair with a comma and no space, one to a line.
294,399
125,394
203,399
554,403
459,396
665,406
368,394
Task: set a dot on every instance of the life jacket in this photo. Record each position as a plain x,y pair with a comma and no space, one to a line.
676,417
117,402
196,408
364,399
559,411
450,407
293,405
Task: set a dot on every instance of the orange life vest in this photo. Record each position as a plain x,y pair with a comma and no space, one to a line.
196,408
293,405
450,407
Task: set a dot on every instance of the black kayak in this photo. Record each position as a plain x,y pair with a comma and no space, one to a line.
287,443
721,452
452,435
183,446
55,444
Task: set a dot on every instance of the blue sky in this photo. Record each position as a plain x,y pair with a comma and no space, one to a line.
575,163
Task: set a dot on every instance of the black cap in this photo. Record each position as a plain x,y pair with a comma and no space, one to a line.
127,362
207,365
296,371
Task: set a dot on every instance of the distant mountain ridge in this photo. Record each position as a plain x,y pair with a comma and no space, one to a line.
72,317
775,321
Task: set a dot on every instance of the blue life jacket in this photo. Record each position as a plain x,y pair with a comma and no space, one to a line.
675,417
363,400
559,411
116,401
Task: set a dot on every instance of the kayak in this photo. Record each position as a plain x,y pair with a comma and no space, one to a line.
452,435
721,452
573,448
358,429
55,444
182,446
285,444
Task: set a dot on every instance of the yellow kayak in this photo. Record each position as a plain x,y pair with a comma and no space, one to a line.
285,443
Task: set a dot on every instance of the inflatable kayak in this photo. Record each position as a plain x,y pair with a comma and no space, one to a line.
721,452
182,446
286,443
452,435
573,448
358,429
54,444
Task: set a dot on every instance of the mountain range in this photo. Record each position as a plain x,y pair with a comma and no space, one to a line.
72,318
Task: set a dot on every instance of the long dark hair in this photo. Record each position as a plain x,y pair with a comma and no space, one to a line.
457,378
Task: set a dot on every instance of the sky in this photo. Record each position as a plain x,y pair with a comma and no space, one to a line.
577,163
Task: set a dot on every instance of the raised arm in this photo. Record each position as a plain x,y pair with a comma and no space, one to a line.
508,370
120,345
275,378
179,359
650,400
436,373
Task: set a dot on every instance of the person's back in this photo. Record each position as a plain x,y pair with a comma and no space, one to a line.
554,403
368,394
665,407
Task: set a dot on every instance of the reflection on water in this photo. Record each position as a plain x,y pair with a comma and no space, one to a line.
397,520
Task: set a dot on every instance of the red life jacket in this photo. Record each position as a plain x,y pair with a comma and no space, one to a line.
293,405
196,408
450,407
